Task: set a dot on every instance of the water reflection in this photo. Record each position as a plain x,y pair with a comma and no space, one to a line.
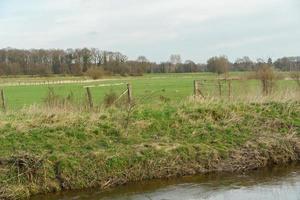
272,183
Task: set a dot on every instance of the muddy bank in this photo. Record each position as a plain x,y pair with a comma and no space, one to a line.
278,182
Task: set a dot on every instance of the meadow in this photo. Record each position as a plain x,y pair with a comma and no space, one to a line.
50,150
146,89
48,147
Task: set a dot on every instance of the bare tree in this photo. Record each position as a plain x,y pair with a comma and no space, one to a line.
142,59
270,61
243,64
175,59
266,75
78,61
218,65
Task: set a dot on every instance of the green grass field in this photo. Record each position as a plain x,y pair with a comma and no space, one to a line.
147,89
53,148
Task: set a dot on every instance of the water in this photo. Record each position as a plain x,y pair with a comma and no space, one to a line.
267,184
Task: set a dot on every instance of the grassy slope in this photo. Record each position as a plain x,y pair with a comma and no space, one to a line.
44,150
172,86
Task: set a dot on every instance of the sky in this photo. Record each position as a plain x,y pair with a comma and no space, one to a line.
195,29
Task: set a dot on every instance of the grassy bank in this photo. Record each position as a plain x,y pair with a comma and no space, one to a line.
48,150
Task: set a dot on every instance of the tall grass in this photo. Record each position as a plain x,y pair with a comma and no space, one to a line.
46,149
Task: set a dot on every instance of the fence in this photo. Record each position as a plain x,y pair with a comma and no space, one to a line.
205,89
48,82
3,105
199,84
128,91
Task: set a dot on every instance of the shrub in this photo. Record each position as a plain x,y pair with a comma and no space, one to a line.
296,77
266,75
54,100
95,73
110,98
51,98
218,65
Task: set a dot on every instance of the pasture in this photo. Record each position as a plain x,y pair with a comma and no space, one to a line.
64,147
146,89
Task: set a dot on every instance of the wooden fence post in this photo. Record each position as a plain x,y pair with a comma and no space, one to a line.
129,93
229,89
200,90
220,88
195,88
3,100
89,94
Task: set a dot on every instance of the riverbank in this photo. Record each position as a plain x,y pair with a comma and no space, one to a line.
268,183
49,150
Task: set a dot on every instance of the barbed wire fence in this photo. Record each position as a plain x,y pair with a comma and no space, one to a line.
127,91
199,86
224,87
228,88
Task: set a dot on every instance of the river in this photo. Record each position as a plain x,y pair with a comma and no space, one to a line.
267,184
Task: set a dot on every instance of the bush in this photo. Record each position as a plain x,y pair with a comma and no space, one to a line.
110,98
51,98
54,100
218,65
137,73
296,77
266,75
95,73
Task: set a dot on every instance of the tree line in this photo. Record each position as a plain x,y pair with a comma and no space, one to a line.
81,61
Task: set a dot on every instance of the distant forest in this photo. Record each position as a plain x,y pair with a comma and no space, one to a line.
80,61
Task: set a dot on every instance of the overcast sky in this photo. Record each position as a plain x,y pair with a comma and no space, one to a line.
196,29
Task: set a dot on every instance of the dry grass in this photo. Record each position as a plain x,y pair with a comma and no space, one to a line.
49,148
296,77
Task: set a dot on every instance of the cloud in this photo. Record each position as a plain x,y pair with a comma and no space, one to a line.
155,28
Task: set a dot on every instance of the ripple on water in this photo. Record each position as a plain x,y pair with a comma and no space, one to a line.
267,184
